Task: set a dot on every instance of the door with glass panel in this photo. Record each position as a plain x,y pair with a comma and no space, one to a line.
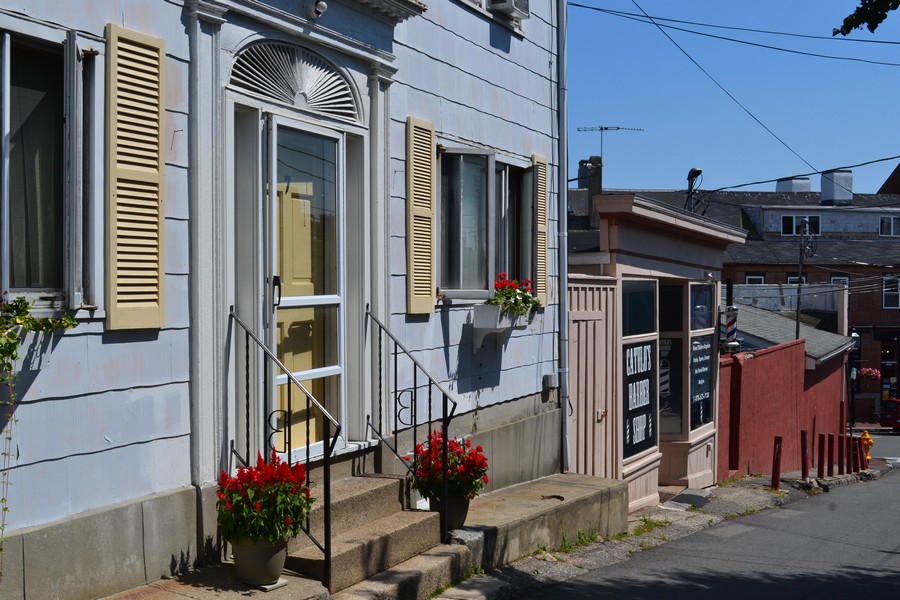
304,281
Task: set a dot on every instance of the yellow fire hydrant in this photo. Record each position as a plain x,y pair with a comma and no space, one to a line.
867,443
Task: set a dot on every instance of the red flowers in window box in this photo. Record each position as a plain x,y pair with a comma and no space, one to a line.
466,468
870,374
514,297
266,502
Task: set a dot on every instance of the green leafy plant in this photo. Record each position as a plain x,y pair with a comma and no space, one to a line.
513,297
15,321
648,524
467,468
266,502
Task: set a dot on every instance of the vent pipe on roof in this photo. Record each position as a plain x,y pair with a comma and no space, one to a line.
837,188
792,184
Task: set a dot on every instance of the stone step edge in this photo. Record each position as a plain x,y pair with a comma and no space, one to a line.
392,539
344,494
426,573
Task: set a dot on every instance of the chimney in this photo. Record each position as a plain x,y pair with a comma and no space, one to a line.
590,175
792,184
837,188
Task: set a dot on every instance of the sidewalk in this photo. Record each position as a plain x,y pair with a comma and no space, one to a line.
685,514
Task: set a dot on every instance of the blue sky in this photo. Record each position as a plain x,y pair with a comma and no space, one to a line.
832,113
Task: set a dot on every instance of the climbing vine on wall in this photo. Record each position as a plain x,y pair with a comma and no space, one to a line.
16,321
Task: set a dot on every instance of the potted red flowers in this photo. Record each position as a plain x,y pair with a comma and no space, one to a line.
259,510
513,297
466,474
511,307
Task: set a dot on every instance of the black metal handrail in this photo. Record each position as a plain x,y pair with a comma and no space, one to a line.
448,408
270,431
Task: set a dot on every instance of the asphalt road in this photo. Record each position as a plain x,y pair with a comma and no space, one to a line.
841,544
887,446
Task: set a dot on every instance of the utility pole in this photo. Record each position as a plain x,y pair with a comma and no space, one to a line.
601,129
807,250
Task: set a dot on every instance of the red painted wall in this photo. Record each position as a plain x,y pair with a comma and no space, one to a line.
769,393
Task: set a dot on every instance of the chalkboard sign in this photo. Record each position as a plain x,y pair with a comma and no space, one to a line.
701,379
640,364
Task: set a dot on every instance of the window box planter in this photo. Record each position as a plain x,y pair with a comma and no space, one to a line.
487,318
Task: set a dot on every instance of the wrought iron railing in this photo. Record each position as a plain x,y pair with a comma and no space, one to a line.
285,416
409,386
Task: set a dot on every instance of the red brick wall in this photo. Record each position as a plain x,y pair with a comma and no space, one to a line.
768,393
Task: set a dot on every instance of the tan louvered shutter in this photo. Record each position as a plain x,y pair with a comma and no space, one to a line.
540,204
135,292
420,203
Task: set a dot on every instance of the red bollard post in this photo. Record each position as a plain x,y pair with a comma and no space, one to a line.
849,440
804,455
776,464
854,453
831,455
820,465
842,445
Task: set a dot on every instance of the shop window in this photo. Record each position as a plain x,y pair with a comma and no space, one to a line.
671,307
701,380
638,307
671,376
639,410
702,297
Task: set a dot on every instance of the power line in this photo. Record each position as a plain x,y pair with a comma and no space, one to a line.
721,87
652,21
814,172
731,28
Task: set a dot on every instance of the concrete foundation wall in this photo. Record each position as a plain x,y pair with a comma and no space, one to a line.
521,440
106,551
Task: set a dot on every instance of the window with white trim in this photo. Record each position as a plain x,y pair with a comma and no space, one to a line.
840,280
795,279
754,279
470,217
34,200
890,227
793,224
891,292
485,224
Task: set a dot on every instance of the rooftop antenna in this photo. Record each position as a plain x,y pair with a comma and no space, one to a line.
601,129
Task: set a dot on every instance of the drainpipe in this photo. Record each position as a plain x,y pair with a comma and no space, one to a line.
562,205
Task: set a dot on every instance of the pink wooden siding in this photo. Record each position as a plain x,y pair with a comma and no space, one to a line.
594,439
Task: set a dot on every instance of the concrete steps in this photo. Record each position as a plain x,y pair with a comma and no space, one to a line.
355,501
368,550
501,527
370,532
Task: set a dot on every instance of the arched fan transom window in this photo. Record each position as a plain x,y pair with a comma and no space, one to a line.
292,75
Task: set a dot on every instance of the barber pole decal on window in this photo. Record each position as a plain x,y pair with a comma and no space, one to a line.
640,370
